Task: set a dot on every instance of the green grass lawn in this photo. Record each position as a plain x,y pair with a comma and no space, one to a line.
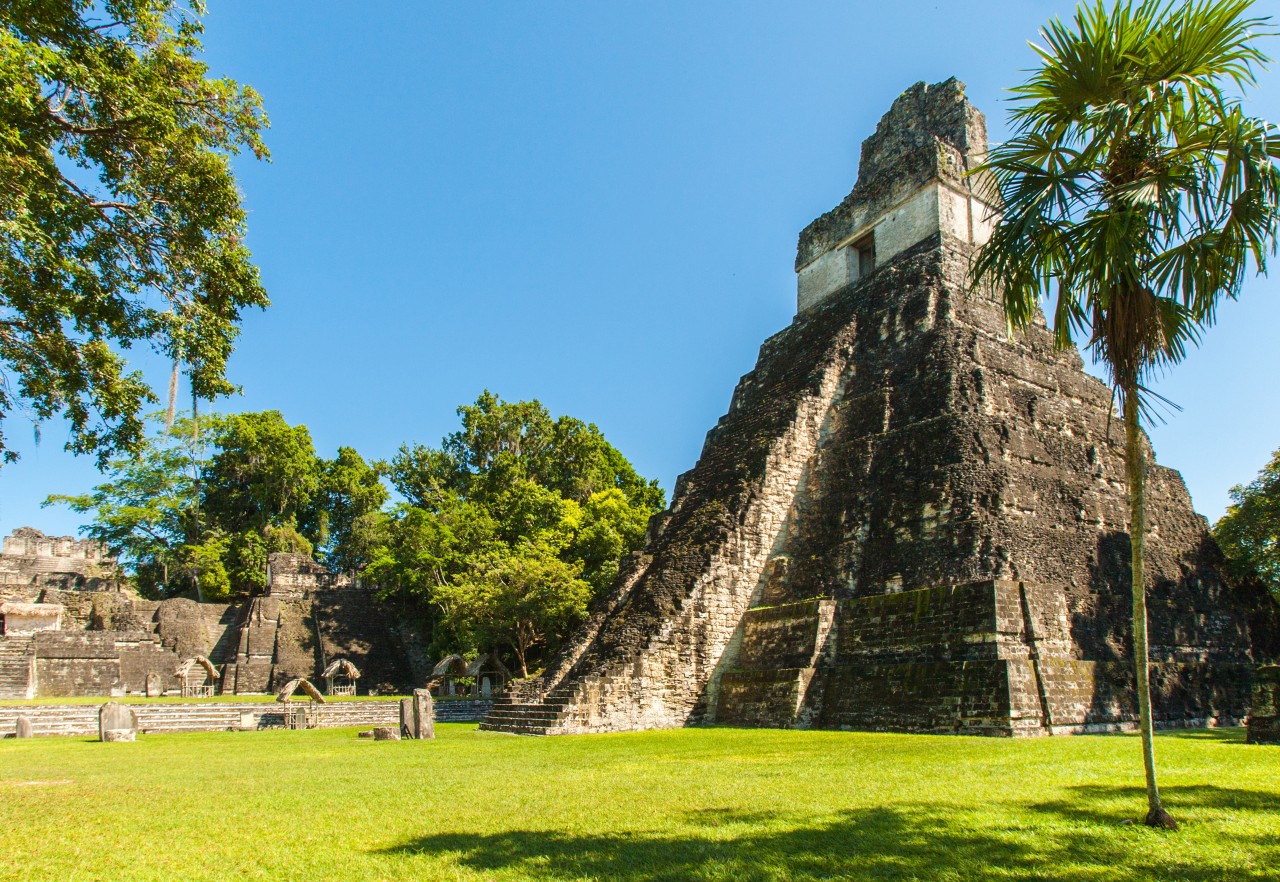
694,804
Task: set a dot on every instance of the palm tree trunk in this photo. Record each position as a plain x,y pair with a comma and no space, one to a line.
1136,468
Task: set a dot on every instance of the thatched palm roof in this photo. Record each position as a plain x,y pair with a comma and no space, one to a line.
450,666
487,662
299,683
186,667
341,667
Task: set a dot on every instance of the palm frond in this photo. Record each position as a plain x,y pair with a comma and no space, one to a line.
1135,193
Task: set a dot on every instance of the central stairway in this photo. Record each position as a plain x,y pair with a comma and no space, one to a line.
529,717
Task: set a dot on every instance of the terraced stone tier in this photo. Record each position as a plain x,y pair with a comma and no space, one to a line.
82,719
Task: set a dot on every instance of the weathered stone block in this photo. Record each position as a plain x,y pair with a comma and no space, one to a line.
22,727
386,733
1264,715
417,715
116,717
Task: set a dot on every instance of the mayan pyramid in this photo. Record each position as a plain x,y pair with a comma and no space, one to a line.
908,519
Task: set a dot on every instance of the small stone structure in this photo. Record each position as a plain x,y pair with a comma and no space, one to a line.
22,728
417,716
386,733
909,519
292,576
1264,716
30,560
117,722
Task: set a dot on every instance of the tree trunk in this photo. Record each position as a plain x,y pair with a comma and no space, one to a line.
171,411
1136,469
524,670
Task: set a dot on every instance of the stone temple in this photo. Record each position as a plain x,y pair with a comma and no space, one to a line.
908,519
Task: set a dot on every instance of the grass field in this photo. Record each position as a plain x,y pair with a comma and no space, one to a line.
698,804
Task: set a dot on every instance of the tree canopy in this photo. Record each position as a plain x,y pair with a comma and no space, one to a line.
120,221
1135,193
202,506
508,530
511,527
1249,533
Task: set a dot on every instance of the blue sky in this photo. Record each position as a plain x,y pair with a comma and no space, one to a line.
593,204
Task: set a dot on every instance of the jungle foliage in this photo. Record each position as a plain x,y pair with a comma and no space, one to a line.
201,508
1249,533
512,526
507,532
120,220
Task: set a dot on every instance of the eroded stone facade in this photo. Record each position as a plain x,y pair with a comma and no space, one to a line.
30,561
112,642
909,519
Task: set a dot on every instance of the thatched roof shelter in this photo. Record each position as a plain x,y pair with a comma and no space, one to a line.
341,667
286,694
486,663
450,666
188,667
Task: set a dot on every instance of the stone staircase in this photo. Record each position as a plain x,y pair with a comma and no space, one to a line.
17,657
530,717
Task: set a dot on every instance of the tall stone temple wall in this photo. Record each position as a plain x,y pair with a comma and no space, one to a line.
909,519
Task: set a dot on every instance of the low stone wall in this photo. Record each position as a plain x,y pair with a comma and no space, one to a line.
462,710
82,719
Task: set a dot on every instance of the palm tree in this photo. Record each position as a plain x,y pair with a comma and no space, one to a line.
1135,193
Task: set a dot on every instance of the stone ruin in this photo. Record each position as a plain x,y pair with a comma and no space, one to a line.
31,560
908,519
71,631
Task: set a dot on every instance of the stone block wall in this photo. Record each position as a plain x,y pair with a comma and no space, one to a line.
990,658
1264,715
82,663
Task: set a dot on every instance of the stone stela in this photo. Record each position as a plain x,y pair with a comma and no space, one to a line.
908,520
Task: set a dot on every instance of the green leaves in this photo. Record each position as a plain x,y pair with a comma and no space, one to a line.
265,472
514,524
518,595
1249,533
1135,192
120,221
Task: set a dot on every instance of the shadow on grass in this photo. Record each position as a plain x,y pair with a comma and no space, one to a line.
1219,735
900,842
1097,804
